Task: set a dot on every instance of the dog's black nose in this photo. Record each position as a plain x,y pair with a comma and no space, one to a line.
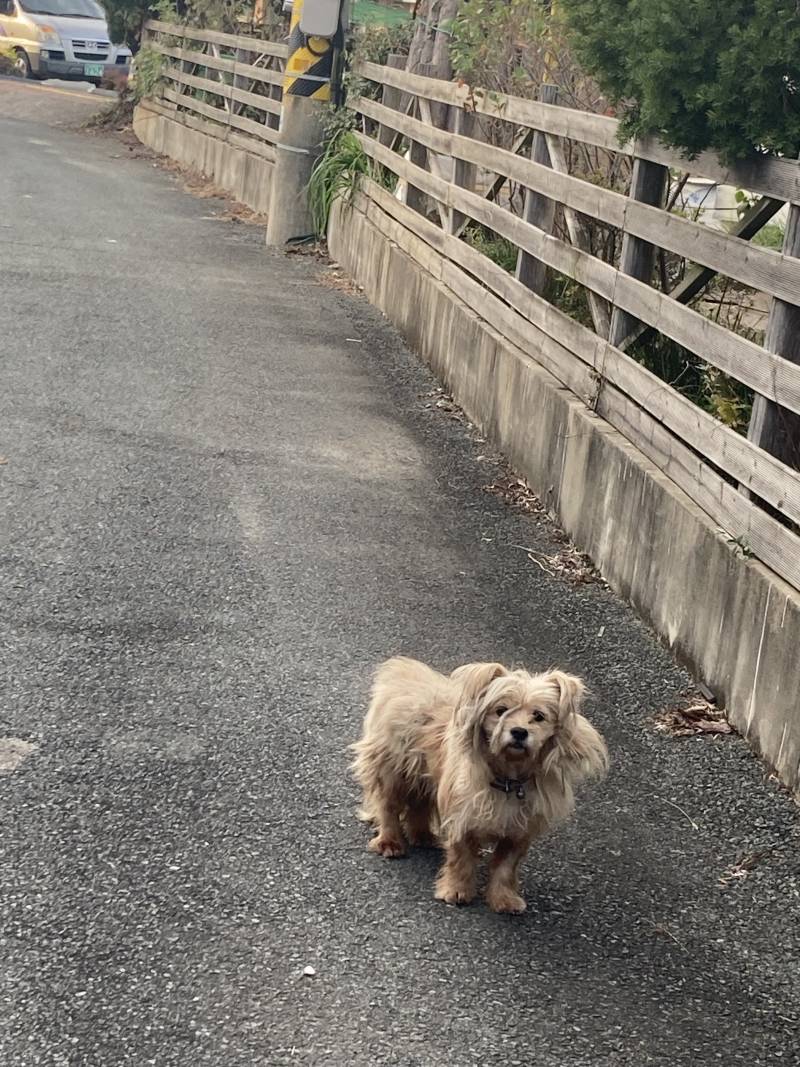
519,733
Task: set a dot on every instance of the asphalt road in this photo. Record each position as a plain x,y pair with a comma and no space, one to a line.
227,494
53,102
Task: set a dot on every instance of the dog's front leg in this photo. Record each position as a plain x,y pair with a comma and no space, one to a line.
457,881
502,891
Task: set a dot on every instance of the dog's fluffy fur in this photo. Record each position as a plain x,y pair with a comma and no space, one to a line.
486,756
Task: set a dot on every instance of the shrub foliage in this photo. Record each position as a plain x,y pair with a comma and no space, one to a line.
701,74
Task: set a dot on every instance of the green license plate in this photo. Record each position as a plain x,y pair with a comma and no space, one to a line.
93,70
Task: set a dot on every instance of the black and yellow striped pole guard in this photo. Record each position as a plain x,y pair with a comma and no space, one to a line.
310,63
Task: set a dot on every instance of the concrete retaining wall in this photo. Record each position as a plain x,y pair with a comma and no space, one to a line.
246,176
732,621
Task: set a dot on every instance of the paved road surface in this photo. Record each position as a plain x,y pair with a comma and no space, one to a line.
53,102
227,496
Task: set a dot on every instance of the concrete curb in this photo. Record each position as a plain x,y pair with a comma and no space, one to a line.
245,176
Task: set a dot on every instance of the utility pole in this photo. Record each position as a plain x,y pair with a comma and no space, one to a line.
316,29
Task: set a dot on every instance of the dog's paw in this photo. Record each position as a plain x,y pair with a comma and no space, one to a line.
454,894
506,902
388,847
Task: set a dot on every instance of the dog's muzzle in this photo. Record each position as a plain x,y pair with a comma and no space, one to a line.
519,739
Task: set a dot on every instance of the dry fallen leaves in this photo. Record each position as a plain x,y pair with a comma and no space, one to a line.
241,213
699,717
516,493
569,564
333,278
740,870
311,247
199,186
443,402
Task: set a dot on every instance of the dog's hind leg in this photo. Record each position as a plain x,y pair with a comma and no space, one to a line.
418,819
387,804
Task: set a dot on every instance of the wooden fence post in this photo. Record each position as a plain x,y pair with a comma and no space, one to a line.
275,93
580,237
649,186
539,210
464,174
418,153
239,82
772,427
753,220
391,97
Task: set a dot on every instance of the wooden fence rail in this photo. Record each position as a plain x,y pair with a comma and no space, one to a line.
224,83
767,175
752,495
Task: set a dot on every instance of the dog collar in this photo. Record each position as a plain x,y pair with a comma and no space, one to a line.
510,785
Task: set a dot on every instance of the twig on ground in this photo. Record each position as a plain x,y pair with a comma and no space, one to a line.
677,807
659,928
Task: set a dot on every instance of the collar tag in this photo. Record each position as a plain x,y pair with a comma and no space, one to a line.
510,785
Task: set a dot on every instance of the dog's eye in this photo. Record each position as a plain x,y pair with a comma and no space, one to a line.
501,710
538,716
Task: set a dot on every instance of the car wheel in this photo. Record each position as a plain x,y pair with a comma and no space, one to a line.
22,65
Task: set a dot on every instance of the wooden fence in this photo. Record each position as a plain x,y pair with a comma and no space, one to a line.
425,133
222,83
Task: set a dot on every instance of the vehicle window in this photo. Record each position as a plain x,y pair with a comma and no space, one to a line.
7,7
81,9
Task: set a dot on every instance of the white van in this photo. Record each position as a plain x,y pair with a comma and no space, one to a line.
61,39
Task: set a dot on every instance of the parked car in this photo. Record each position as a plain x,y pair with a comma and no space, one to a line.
61,39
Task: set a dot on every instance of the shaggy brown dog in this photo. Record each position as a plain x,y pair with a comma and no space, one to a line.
488,756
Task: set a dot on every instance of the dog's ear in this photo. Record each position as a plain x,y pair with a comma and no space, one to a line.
571,692
576,749
473,679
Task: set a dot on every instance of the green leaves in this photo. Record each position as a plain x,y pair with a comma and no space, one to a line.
700,74
127,17
499,44
150,67
337,173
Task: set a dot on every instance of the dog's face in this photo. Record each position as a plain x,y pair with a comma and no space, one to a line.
519,722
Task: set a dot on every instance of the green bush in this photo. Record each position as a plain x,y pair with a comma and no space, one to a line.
375,42
500,45
336,173
149,73
701,74
126,18
8,60
771,236
498,249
